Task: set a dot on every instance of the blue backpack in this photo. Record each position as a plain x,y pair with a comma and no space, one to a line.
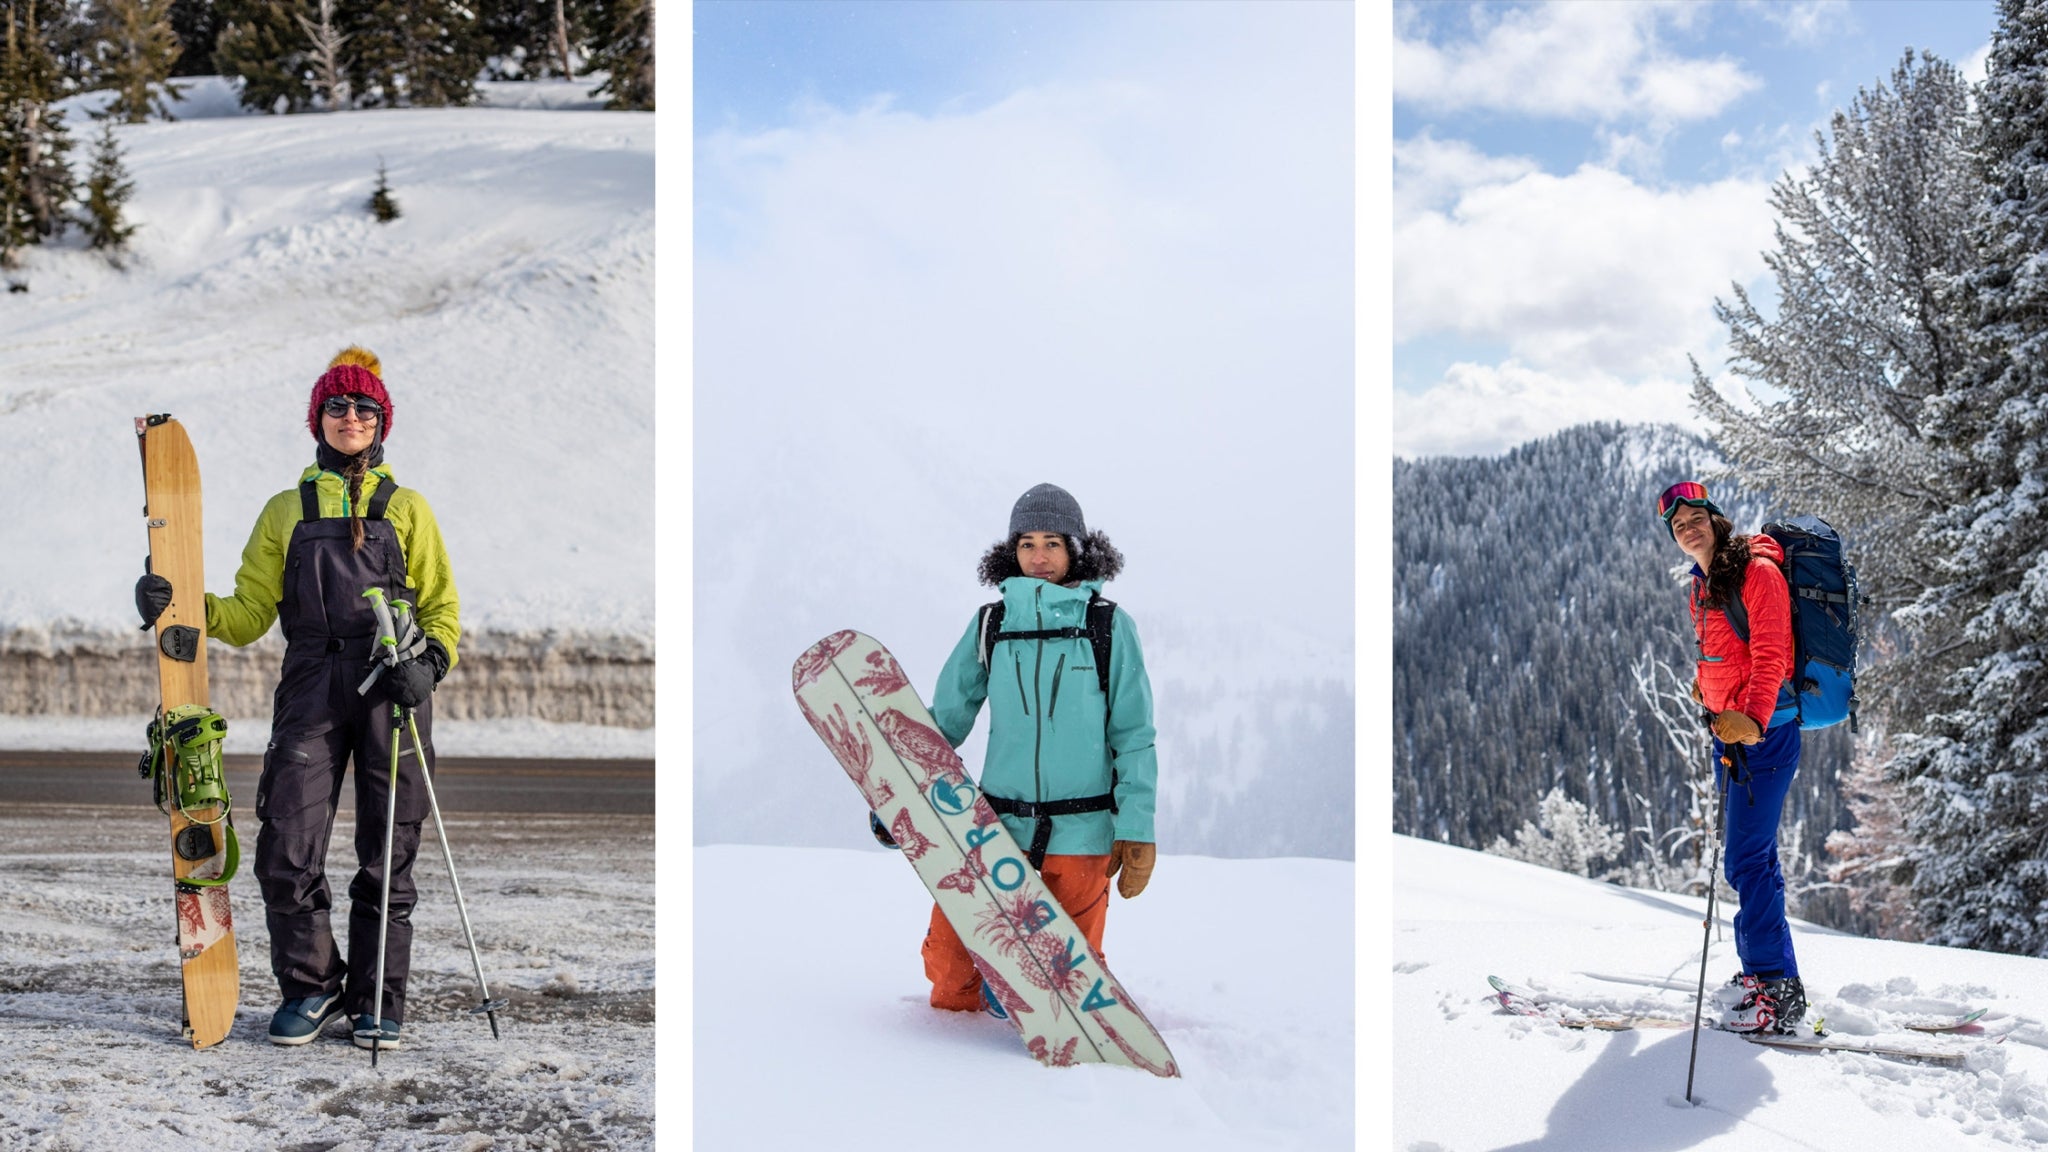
1823,682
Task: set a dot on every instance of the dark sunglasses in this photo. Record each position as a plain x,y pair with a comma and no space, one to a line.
339,406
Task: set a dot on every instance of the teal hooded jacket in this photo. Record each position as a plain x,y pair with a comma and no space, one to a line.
1052,734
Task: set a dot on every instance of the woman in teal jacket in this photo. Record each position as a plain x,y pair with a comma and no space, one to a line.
1071,767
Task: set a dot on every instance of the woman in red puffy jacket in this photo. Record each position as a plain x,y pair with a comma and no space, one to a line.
1745,686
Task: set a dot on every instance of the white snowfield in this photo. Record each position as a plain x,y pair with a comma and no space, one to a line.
1258,1013
512,305
1469,1077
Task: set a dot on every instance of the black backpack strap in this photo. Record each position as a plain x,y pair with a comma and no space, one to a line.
1101,626
309,501
1042,812
991,624
380,499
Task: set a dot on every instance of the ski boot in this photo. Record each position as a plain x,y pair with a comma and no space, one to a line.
1774,1005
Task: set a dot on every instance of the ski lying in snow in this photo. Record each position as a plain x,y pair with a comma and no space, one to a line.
1926,1022
1525,1002
185,736
1059,996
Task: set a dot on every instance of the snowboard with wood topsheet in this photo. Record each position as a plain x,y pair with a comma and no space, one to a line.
202,839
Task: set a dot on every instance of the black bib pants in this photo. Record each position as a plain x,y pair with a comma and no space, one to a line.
319,724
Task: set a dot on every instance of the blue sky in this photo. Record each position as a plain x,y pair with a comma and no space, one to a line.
1574,184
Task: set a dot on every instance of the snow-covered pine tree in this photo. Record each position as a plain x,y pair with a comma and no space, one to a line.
1976,770
330,70
107,189
1565,835
417,53
624,49
136,50
1860,339
383,205
35,175
261,45
526,39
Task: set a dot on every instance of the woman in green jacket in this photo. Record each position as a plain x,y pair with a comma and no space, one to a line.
345,527
1071,767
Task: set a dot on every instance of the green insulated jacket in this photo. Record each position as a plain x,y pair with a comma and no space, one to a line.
244,617
1052,736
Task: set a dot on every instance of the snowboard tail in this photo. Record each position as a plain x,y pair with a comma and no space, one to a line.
1062,1000
202,835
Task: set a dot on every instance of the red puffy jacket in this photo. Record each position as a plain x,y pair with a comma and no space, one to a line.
1747,677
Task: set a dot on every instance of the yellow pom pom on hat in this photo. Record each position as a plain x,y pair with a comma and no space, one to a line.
359,356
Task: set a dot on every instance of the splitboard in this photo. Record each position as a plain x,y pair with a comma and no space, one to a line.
1525,1002
203,851
1061,999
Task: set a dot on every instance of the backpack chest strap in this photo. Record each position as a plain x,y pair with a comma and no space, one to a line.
1041,813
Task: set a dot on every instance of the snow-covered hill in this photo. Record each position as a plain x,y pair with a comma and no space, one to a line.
812,1030
512,304
1467,1076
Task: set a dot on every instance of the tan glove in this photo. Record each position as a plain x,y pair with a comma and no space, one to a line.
1136,858
1735,727
1695,693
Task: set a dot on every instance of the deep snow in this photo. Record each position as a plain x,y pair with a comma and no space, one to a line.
792,1053
1467,1076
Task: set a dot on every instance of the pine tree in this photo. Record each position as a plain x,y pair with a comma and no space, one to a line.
261,44
138,49
1976,771
535,39
383,205
107,189
35,176
417,53
1861,338
624,48
197,24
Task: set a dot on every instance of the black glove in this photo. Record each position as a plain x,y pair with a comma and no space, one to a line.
410,682
152,596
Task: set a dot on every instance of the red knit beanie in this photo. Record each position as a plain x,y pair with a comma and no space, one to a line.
348,380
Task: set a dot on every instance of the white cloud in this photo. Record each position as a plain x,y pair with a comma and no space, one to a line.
1977,64
1806,22
1574,60
1483,409
1590,273
1431,173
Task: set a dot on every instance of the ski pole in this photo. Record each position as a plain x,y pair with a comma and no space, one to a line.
384,910
1699,1007
488,1006
387,640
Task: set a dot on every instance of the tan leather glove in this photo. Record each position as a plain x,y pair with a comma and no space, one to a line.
1734,727
1695,693
1136,858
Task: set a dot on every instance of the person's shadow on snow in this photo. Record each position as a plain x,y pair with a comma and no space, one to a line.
1639,1089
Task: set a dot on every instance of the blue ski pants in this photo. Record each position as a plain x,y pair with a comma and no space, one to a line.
1755,799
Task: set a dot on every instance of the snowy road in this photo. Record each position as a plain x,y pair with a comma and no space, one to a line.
466,785
563,907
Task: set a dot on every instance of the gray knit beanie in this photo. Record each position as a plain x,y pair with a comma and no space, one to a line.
1048,508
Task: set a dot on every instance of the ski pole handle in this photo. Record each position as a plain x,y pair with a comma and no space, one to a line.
387,639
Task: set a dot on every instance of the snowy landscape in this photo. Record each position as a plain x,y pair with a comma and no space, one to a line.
1259,1018
512,305
1468,1076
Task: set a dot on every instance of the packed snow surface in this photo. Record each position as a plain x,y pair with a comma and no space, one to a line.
1258,1014
510,738
512,305
564,914
1468,1076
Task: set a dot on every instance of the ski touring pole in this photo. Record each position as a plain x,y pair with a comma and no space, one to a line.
384,908
1713,888
486,1005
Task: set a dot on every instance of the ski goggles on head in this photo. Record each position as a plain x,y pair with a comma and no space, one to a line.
1684,492
365,409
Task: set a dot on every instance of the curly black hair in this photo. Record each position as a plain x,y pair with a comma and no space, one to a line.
1730,566
1095,558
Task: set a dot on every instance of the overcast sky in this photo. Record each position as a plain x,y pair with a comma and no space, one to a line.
1575,183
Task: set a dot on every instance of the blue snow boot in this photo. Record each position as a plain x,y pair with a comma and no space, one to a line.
990,1005
299,1021
384,1032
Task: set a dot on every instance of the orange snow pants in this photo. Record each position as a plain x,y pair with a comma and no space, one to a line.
1077,882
